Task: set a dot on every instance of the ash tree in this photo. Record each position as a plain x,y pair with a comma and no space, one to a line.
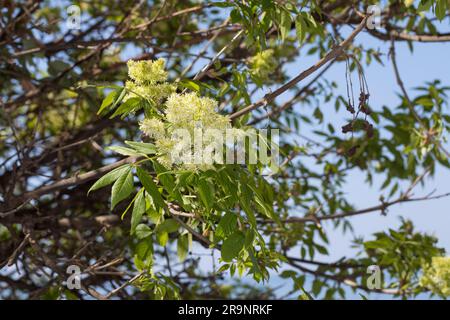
102,107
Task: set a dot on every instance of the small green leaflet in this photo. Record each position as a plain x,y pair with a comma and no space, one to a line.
122,188
300,28
109,178
168,225
264,207
440,8
255,268
144,249
190,84
138,148
142,147
206,193
154,215
182,247
245,202
128,106
227,184
162,238
363,296
305,295
249,238
138,210
227,225
123,151
195,85
109,99
168,181
143,231
285,24
150,187
232,246
119,99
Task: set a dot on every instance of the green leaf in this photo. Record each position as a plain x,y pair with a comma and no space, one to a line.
285,24
377,244
244,201
142,147
232,246
249,238
224,4
138,211
363,296
265,208
424,5
114,98
317,287
156,216
150,187
119,99
300,29
228,186
109,178
306,295
318,114
144,249
440,8
123,151
227,225
162,238
195,85
108,100
206,193
190,84
182,247
143,231
168,225
223,268
125,108
288,274
122,188
168,181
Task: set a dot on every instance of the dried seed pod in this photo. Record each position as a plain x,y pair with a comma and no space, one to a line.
369,129
366,109
350,108
351,152
363,98
347,128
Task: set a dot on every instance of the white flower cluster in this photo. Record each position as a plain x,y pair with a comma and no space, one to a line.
148,80
147,72
185,115
436,276
153,128
184,110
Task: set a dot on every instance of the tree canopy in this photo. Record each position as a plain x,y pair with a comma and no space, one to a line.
96,96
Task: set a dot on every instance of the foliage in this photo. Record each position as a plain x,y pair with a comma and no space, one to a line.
90,120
